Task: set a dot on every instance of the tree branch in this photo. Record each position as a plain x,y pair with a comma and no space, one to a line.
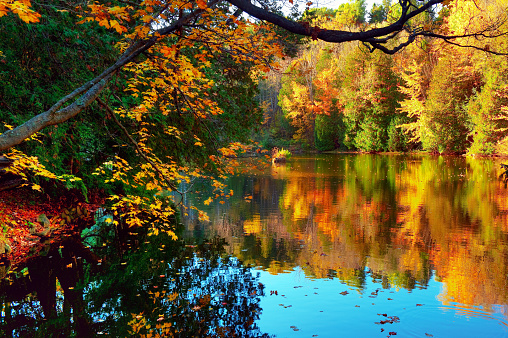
91,89
330,35
54,116
138,150
448,39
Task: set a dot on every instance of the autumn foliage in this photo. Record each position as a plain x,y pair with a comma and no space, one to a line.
436,95
140,100
177,113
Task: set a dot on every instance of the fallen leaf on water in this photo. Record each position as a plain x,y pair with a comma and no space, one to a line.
344,293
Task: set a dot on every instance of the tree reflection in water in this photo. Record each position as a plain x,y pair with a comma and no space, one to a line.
400,220
163,288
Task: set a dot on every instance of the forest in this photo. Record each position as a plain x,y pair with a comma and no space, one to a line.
117,115
435,95
119,104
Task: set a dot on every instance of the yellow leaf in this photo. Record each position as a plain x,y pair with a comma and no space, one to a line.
201,4
104,23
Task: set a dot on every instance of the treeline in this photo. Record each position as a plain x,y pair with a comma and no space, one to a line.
436,95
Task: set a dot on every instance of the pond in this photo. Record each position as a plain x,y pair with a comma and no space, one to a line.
336,245
358,245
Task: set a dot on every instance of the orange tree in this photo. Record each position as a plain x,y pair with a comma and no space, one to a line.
170,93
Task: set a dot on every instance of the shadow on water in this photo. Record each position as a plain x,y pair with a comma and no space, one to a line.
120,283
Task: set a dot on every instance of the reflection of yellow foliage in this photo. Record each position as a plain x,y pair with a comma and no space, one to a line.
464,281
448,214
411,261
253,226
140,328
279,171
276,268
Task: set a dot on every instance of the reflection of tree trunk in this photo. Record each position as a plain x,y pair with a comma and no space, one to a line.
69,274
76,248
309,228
43,280
68,268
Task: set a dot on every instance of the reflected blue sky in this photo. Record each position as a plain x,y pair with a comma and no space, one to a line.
307,307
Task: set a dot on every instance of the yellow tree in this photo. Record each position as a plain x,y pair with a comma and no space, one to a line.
415,66
296,97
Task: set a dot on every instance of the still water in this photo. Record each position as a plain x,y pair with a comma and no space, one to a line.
345,245
356,245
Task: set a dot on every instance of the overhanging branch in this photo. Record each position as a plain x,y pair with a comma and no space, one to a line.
90,90
336,36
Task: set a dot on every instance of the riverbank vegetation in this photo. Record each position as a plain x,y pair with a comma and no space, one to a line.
113,112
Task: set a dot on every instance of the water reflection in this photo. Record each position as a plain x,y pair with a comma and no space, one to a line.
401,220
345,245
163,288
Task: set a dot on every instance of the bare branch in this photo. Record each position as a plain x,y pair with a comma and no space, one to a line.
330,35
449,39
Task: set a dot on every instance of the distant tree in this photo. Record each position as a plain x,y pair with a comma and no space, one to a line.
444,122
377,14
